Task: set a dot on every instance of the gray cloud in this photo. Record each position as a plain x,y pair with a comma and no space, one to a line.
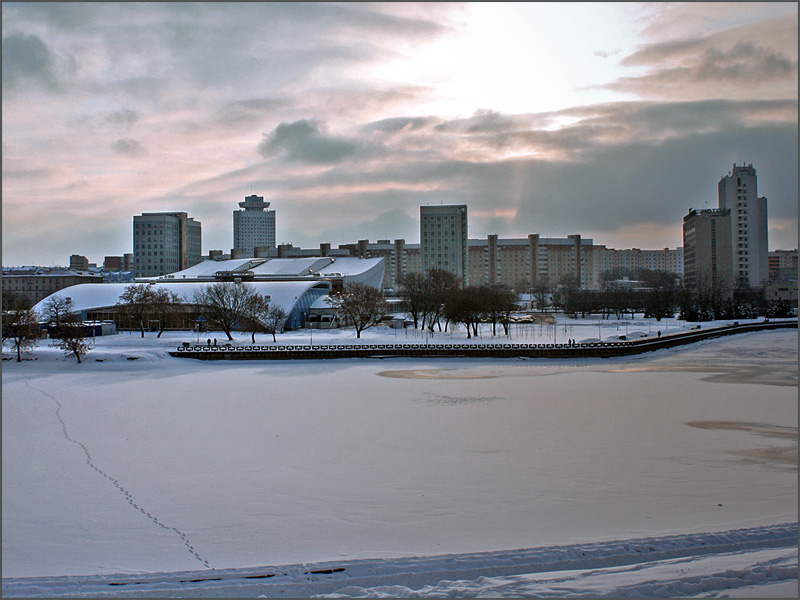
744,64
250,111
397,124
124,116
732,62
658,183
128,147
27,59
304,141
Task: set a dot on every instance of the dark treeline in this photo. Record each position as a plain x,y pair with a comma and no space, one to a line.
435,299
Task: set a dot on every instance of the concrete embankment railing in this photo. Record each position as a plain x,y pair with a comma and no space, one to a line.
496,350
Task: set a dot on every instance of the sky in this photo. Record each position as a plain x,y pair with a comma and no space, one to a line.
610,120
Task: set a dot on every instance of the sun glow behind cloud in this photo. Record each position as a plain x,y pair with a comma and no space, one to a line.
518,58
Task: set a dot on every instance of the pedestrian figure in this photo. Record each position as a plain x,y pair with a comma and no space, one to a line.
215,341
659,334
209,342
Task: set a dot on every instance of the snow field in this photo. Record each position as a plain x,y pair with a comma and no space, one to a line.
163,464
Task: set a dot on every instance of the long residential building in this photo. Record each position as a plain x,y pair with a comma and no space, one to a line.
33,284
522,263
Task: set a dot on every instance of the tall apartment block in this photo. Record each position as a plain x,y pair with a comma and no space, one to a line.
253,225
707,258
738,192
443,238
165,242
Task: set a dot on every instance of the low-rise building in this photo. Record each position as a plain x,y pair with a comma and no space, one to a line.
33,284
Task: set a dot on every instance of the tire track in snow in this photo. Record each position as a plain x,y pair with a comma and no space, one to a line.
116,483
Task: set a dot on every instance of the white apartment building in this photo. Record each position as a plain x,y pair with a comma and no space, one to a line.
738,191
443,238
253,225
165,242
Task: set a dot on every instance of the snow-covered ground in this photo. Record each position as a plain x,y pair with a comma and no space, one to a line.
136,464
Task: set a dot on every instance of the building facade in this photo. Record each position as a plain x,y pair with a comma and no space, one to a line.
443,238
165,242
118,263
782,264
79,263
253,225
738,192
36,283
707,259
523,263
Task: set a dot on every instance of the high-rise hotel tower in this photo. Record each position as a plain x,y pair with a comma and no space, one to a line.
253,224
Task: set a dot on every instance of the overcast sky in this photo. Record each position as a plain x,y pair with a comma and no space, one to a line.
607,120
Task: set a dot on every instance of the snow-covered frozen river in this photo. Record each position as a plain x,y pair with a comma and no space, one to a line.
162,464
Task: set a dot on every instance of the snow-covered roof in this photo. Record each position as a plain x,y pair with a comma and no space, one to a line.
89,296
315,266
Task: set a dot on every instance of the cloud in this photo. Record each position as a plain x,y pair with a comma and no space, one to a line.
128,147
313,106
605,53
27,60
745,64
399,124
755,60
304,141
124,116
250,110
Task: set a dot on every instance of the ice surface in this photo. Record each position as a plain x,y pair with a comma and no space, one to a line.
165,464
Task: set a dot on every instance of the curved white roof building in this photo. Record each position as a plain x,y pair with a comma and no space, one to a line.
294,284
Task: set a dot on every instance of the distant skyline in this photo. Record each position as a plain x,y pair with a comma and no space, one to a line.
610,120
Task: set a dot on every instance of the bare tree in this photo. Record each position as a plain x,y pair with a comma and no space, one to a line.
504,302
275,321
360,304
71,338
413,291
540,293
463,306
22,328
226,304
165,305
440,285
56,309
137,302
13,301
265,317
